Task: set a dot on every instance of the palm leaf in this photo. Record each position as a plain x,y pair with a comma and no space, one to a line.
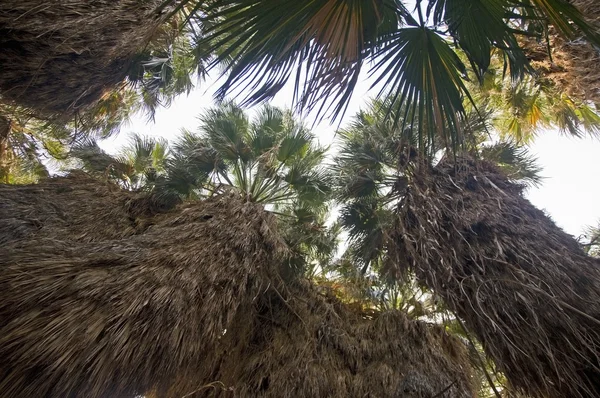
319,44
226,128
479,26
425,76
515,161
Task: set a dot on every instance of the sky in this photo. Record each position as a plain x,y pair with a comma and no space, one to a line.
570,191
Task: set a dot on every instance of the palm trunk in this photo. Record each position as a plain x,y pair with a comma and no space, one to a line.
520,283
59,56
99,297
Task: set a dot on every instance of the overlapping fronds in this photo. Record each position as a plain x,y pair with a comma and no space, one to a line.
322,46
523,286
187,303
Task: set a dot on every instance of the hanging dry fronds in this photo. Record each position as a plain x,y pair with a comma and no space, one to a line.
523,286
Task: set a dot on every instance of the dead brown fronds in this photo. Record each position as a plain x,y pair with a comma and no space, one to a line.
573,66
522,285
59,56
101,295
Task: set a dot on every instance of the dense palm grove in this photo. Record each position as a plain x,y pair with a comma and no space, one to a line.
457,83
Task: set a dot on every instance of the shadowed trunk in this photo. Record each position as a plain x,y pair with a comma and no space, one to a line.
5,126
521,284
58,56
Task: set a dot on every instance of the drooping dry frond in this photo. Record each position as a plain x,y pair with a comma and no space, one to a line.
521,284
58,56
101,295
574,66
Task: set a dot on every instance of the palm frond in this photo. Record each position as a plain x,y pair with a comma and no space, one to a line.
226,128
322,46
515,161
425,76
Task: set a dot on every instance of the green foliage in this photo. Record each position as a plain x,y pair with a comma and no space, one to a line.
137,166
33,144
323,45
515,161
272,159
524,109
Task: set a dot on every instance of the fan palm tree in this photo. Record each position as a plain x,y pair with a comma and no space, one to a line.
324,45
272,159
370,175
373,170
521,111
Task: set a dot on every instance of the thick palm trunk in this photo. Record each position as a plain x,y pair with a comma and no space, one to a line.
60,55
102,297
521,284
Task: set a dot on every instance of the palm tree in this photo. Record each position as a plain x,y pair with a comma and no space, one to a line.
136,167
521,111
373,171
272,160
371,174
323,45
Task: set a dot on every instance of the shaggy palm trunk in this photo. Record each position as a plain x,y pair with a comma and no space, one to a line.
522,285
102,297
61,55
574,66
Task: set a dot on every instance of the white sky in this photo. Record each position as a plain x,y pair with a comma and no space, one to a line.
570,193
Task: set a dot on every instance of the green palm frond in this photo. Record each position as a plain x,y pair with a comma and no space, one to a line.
137,166
295,144
266,129
515,161
96,161
426,78
272,159
226,128
479,28
319,42
322,46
